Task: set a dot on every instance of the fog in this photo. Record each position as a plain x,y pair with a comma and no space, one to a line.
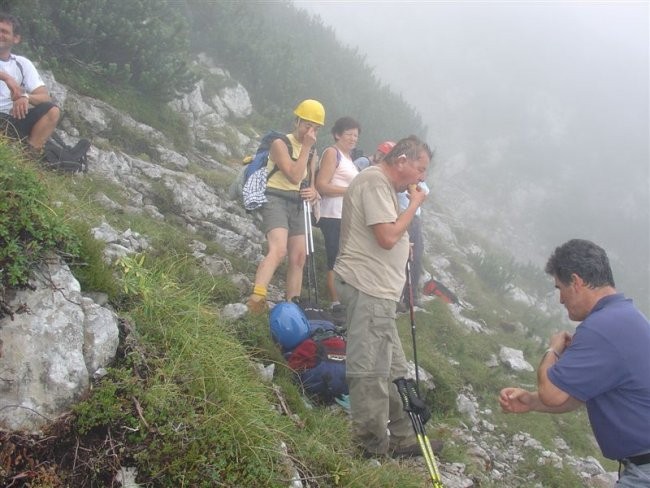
538,112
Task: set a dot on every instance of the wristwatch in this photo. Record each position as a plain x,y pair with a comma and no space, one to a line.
551,350
26,95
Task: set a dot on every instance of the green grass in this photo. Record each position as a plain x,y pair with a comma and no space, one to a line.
205,417
31,226
208,417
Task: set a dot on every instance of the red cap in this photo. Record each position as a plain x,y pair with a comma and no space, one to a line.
385,147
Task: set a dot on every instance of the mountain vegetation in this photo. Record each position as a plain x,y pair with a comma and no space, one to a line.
281,54
143,43
183,403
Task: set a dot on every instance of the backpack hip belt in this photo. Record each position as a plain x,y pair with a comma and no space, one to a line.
291,195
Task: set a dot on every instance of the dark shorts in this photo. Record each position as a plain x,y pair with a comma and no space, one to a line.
331,229
21,128
284,211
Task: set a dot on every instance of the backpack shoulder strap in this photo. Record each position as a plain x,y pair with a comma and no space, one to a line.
20,68
338,154
285,139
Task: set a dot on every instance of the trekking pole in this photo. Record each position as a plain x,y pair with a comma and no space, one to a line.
421,410
415,407
412,315
307,221
312,261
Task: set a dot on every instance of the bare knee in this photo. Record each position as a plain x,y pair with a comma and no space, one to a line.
44,128
297,259
277,254
52,117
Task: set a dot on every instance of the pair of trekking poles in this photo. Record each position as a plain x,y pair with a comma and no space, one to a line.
409,392
309,246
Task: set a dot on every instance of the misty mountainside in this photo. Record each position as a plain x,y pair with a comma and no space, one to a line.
528,171
538,112
180,408
197,394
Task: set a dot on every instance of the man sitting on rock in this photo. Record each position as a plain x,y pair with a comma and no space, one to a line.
25,103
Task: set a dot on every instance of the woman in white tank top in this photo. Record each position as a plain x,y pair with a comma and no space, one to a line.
336,171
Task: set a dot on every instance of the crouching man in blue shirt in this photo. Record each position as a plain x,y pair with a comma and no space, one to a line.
605,364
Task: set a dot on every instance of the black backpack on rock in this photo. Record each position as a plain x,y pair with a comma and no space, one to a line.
61,157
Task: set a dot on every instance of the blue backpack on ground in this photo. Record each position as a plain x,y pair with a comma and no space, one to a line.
250,185
319,362
289,325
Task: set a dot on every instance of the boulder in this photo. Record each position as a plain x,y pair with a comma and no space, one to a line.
51,347
514,359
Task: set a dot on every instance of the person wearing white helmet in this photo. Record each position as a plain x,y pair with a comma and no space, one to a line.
282,215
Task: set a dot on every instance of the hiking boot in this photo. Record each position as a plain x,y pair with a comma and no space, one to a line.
257,305
413,450
338,313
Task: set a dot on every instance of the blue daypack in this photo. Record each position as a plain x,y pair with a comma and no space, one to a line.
253,178
319,362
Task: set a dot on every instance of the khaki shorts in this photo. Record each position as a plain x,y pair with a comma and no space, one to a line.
286,213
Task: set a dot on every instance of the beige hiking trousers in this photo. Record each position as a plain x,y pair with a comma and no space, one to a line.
374,358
